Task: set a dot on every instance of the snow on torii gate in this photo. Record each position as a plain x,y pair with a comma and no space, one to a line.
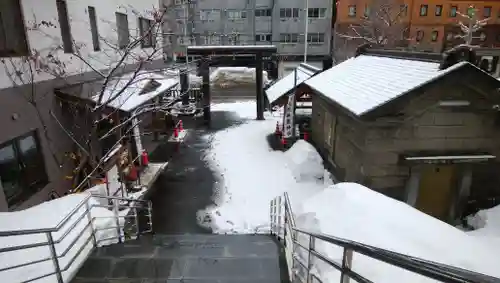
244,56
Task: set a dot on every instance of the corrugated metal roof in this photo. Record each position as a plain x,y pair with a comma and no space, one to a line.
286,84
363,83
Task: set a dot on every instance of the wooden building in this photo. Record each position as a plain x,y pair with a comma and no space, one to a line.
410,127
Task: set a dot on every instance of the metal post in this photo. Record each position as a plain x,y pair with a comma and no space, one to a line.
285,225
117,219
271,216
205,72
306,31
89,217
259,87
53,255
346,265
136,219
150,215
278,217
184,79
310,258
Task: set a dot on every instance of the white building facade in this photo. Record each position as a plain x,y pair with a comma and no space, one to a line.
45,45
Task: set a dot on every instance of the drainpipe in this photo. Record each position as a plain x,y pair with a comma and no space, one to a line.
306,31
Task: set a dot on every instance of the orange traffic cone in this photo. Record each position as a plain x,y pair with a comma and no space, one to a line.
180,126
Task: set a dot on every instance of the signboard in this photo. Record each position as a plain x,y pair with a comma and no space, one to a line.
288,117
305,97
137,137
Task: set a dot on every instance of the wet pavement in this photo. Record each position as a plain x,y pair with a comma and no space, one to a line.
187,185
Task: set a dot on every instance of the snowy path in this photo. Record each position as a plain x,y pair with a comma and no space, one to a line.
250,172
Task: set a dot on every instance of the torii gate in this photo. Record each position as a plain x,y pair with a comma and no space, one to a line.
243,56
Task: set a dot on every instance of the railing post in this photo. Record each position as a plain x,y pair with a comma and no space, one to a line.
310,258
136,219
271,205
285,224
116,203
346,265
150,215
278,217
89,216
55,260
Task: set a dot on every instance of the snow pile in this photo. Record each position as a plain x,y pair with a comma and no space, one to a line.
354,212
47,215
487,226
233,76
305,162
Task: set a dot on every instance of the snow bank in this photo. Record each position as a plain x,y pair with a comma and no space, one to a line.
354,212
487,226
47,215
233,76
305,162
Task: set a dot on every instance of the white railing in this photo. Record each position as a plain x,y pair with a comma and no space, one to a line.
301,265
78,232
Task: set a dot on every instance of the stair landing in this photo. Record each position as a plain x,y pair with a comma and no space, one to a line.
188,258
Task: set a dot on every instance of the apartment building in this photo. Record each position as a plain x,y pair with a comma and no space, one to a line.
238,22
430,25
41,44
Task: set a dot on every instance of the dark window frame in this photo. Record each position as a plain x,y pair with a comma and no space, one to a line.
148,40
94,29
424,10
453,11
439,10
434,35
123,33
353,9
263,12
41,178
16,35
64,26
485,13
420,35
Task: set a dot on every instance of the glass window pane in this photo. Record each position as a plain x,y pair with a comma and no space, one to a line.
9,172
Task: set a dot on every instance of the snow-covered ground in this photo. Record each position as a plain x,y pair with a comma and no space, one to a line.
251,174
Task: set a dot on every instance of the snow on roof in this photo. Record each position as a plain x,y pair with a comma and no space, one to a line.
137,92
285,84
256,47
366,82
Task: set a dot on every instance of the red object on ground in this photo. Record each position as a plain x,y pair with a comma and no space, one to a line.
306,136
132,174
144,158
180,126
176,132
283,141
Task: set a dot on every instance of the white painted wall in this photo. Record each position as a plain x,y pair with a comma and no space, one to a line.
47,38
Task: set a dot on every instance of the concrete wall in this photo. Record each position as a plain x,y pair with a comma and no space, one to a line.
221,27
18,116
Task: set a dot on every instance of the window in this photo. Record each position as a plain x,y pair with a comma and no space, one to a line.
12,34
289,38
318,13
122,29
262,37
423,10
434,35
210,40
315,37
453,11
146,32
403,9
289,13
439,10
93,28
22,168
420,35
487,12
367,11
237,15
482,36
352,10
449,36
62,12
263,12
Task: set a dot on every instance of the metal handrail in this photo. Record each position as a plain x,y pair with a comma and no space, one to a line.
51,242
284,228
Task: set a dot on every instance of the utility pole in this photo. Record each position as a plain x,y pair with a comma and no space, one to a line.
306,31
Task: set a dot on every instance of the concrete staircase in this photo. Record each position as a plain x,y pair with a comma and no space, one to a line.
188,258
